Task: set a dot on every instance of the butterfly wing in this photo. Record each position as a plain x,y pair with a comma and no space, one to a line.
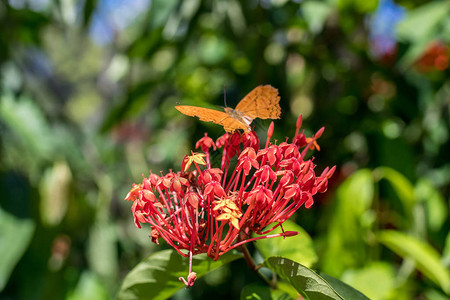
262,102
229,123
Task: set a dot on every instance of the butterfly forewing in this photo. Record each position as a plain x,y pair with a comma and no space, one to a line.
262,102
229,123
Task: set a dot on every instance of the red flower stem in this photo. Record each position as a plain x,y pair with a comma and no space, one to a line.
208,162
270,230
226,172
305,150
224,157
285,213
250,182
237,179
177,248
241,193
199,171
191,250
298,124
230,182
216,236
286,233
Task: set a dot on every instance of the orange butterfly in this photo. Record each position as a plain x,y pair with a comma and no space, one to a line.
261,102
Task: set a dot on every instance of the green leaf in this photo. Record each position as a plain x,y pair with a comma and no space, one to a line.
435,207
346,291
156,277
316,14
89,286
262,292
298,248
363,279
421,23
426,257
345,246
419,27
401,185
446,252
435,295
309,283
34,134
15,236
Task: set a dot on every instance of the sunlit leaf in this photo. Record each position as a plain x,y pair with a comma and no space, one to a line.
298,248
363,279
15,236
427,259
343,289
309,283
435,208
156,277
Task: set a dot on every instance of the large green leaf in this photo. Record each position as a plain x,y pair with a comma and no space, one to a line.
309,283
156,277
15,236
427,259
299,248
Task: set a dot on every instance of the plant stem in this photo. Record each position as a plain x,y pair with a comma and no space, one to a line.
255,268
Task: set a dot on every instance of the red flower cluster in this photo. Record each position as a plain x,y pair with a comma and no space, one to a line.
213,210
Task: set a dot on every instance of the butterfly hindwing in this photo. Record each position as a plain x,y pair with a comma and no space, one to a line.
262,102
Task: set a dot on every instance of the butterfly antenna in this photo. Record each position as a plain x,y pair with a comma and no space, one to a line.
225,96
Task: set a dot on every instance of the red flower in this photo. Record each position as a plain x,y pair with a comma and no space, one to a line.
213,210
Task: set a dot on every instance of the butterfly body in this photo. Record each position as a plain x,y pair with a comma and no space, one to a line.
241,117
262,102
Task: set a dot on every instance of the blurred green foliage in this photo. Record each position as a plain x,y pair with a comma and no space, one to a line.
82,117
